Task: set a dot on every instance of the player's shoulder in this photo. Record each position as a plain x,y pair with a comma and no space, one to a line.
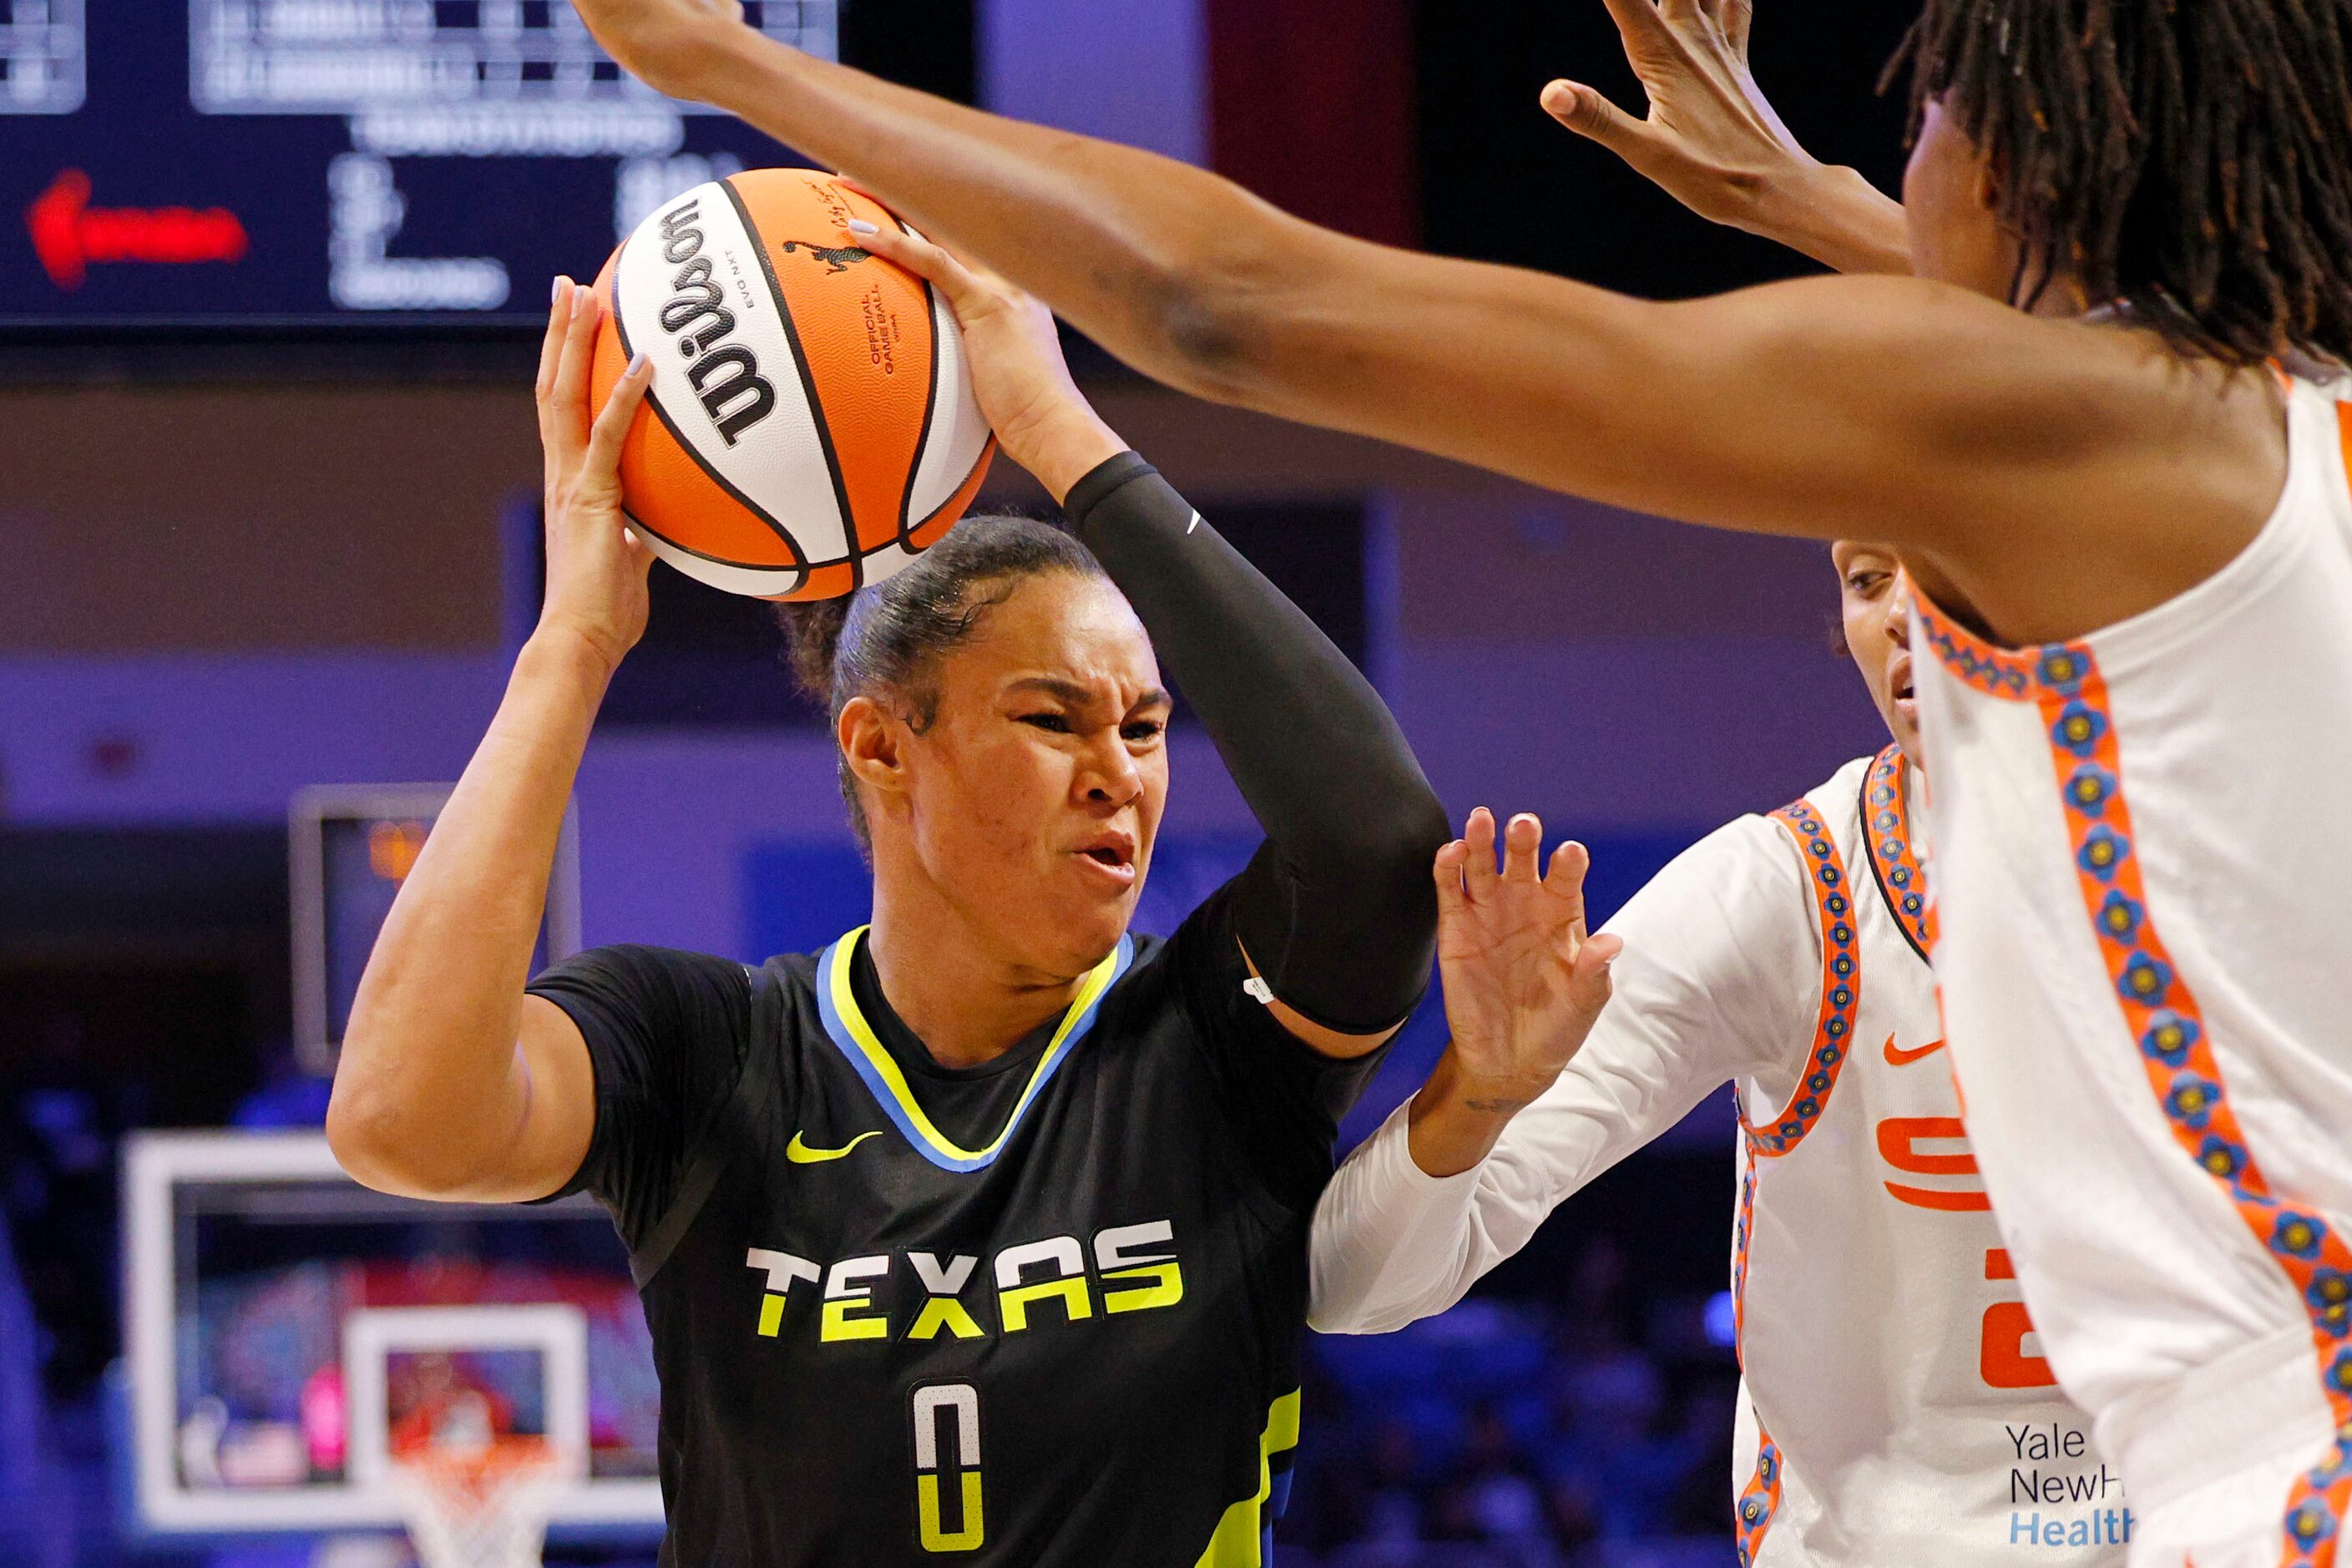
640,968
2325,376
792,994
794,972
1184,982
1150,969
1837,801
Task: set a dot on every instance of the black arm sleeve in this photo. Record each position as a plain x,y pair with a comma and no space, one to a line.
1338,911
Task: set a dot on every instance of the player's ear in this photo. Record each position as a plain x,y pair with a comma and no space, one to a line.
872,742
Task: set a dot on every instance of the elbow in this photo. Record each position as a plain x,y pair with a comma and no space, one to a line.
1204,335
1334,1302
1398,847
1215,313
1356,1316
1411,834
381,1142
1323,1320
358,1134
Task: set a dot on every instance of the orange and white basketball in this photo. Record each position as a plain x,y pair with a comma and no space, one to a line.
810,426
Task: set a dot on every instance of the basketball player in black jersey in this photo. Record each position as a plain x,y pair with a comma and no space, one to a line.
981,1235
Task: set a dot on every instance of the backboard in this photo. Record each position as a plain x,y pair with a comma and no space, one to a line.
349,848
287,1328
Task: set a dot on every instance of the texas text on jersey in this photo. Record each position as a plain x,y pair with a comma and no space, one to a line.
1043,1311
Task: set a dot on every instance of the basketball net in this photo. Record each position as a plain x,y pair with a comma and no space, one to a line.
478,1505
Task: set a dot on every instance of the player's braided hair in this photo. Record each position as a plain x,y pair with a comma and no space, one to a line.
2189,161
887,637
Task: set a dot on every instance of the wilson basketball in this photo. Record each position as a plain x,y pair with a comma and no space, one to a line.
810,426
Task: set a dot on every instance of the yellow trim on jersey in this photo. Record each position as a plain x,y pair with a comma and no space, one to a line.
885,1068
1240,1538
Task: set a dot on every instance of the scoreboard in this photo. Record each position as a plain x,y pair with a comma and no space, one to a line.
248,162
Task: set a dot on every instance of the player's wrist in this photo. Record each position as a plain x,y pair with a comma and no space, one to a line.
1454,1123
1063,448
1834,214
1460,1114
563,643
1502,1094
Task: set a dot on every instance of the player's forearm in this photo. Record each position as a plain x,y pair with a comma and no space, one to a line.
1837,217
1139,252
1392,1244
1182,274
1337,914
1462,1175
1820,410
1195,282
431,1088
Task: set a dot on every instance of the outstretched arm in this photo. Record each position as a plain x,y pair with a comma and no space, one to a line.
2056,475
453,1084
1714,142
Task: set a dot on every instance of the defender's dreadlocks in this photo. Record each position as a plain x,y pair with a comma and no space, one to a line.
2190,159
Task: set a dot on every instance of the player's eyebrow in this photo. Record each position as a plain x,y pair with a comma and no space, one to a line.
1079,696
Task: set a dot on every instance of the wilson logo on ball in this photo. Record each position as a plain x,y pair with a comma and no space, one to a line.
808,435
699,297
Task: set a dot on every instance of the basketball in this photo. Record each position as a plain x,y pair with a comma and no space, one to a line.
810,426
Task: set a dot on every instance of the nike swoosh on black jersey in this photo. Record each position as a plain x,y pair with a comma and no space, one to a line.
800,1154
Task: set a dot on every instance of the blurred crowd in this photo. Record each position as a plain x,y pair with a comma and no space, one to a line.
1589,1431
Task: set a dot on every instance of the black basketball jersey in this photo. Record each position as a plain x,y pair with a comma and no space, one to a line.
1045,1313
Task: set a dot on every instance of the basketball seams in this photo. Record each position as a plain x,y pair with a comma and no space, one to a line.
801,568
807,379
727,485
932,305
693,452
960,441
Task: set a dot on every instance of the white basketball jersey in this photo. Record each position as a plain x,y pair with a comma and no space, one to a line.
1911,1421
1897,1410
2144,869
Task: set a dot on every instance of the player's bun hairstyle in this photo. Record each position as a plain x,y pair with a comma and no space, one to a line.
2191,161
887,637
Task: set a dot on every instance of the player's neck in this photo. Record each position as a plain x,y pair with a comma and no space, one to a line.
967,1003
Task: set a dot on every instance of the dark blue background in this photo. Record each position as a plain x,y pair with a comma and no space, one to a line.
143,144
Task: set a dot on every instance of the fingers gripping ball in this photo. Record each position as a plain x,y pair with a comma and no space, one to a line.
810,425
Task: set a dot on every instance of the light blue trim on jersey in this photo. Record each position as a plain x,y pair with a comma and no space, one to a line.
846,1026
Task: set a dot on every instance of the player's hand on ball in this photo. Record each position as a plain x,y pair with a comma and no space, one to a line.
1018,374
1524,982
665,44
596,567
1710,140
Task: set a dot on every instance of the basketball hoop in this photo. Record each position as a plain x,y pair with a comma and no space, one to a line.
478,1505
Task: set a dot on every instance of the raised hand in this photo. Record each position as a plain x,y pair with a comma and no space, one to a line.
596,567
1018,375
1523,981
1713,142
